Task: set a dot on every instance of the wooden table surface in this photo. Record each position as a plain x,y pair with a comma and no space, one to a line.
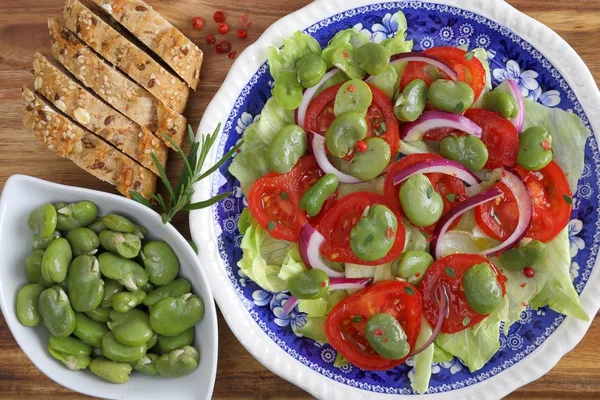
23,30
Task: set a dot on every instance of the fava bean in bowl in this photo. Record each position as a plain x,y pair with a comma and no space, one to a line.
98,292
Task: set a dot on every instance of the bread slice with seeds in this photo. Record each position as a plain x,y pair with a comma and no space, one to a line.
159,35
114,87
88,151
125,55
71,98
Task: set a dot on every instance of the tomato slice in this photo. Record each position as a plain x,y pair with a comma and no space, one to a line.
449,271
336,225
274,199
445,185
381,120
345,324
499,135
469,71
552,207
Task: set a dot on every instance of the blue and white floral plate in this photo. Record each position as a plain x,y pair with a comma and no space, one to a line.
548,70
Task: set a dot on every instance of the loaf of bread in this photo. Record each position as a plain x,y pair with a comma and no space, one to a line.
74,100
114,87
125,55
152,29
67,139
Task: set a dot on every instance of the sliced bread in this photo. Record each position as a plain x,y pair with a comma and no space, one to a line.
114,87
67,139
159,35
125,55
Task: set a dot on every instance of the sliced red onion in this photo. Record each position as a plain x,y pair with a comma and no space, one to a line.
446,221
440,166
441,297
438,119
425,58
519,120
316,143
525,207
289,305
310,245
309,94
349,283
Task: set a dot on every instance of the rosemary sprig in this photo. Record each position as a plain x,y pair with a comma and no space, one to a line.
180,196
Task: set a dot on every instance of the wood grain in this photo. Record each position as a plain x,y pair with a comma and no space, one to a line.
23,30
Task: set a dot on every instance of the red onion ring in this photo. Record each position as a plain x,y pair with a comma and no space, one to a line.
349,283
310,243
289,305
316,143
309,94
422,57
438,119
515,92
441,166
441,297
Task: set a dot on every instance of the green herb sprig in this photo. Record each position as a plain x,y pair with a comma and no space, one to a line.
179,197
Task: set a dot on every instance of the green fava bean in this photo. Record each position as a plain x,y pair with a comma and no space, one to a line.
310,69
160,262
89,331
386,336
372,57
58,206
369,164
313,199
83,241
370,238
146,365
354,95
177,363
153,340
169,343
70,345
98,226
111,371
518,258
311,284
85,284
286,148
56,312
97,352
117,351
128,273
502,103
148,287
33,268
126,245
481,288
125,301
176,288
411,103
535,148
42,220
74,363
76,215
100,314
111,287
342,59
56,260
140,231
171,316
27,304
41,243
344,132
118,223
413,264
468,150
422,205
287,91
450,96
131,328
387,81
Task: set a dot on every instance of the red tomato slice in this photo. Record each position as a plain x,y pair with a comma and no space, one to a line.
552,207
336,225
380,116
499,135
274,199
448,271
445,185
345,324
469,71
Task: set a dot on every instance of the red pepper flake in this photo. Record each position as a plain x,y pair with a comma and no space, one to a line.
546,145
361,146
198,22
223,47
210,39
523,284
503,174
249,25
219,16
346,54
390,232
223,28
232,54
418,274
244,18
238,151
523,304
242,34
378,332
351,89
322,284
385,340
528,272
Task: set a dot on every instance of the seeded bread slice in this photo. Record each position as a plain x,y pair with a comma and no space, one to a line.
114,87
74,100
88,151
152,29
125,55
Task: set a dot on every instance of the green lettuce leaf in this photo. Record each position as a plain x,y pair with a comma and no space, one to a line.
441,356
292,264
481,55
415,240
387,81
314,329
422,361
374,186
347,39
418,147
294,47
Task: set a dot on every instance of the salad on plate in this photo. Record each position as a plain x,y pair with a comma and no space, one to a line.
411,210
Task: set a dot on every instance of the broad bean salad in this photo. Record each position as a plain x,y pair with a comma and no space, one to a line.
110,300
404,203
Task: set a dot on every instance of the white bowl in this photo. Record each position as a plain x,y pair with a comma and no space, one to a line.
20,195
